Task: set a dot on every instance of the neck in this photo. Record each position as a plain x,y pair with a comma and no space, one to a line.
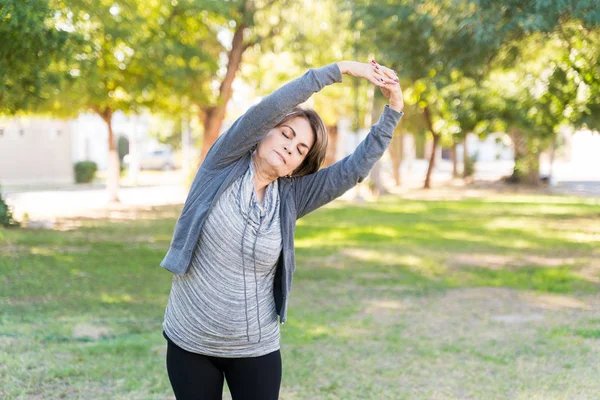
261,177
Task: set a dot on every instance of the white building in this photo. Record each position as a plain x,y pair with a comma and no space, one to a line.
38,150
35,150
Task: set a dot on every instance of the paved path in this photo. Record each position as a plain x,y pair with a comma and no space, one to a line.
169,188
51,204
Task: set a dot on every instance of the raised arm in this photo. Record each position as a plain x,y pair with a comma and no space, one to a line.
250,128
315,190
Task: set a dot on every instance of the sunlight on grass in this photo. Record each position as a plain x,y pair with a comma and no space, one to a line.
409,260
113,299
540,199
375,306
380,256
466,236
522,244
553,280
555,301
514,223
482,292
299,332
42,251
581,237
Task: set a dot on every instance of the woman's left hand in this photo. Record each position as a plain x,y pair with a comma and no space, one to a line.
392,92
383,77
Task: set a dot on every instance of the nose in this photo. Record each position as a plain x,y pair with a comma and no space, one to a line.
286,149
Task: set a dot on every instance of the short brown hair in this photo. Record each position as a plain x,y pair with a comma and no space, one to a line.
316,155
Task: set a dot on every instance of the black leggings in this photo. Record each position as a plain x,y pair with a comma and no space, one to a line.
199,377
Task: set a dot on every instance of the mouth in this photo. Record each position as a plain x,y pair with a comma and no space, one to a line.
280,156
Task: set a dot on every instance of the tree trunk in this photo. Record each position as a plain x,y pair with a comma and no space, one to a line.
134,157
454,160
520,150
551,180
213,116
436,140
330,158
114,171
465,171
395,150
533,163
376,178
186,148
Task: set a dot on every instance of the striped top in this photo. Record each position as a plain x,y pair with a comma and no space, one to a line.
224,305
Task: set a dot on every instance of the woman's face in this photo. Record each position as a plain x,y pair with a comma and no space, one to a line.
286,146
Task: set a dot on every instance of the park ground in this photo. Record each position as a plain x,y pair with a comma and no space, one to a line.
418,296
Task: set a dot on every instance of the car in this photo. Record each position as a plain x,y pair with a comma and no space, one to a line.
158,159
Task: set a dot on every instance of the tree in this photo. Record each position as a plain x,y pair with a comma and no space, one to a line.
469,107
299,46
251,22
470,38
558,87
30,43
133,56
445,40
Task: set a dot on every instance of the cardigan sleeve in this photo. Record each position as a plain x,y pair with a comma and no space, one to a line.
315,190
254,124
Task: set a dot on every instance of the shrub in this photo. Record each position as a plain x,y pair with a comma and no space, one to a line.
6,217
469,167
85,171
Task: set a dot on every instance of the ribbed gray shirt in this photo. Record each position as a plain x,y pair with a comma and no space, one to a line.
224,305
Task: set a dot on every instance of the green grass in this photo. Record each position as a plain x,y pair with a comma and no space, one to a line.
400,299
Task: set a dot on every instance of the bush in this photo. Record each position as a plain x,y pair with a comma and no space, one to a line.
85,171
469,167
6,217
122,147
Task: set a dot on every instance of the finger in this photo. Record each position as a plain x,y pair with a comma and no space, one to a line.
381,75
381,81
374,79
389,73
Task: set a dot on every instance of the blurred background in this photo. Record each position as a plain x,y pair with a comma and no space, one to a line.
125,95
492,180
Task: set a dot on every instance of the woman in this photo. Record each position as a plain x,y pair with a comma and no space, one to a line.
232,250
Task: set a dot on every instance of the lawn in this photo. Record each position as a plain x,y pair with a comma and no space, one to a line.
486,298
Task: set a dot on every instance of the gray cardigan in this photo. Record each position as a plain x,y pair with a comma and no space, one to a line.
228,159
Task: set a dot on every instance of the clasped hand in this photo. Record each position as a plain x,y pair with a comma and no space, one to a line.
383,77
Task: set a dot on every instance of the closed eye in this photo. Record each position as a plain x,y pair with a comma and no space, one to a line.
283,133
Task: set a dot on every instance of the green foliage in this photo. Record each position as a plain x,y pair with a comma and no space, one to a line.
85,171
519,17
134,54
6,217
580,68
122,147
295,45
30,44
469,167
482,65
